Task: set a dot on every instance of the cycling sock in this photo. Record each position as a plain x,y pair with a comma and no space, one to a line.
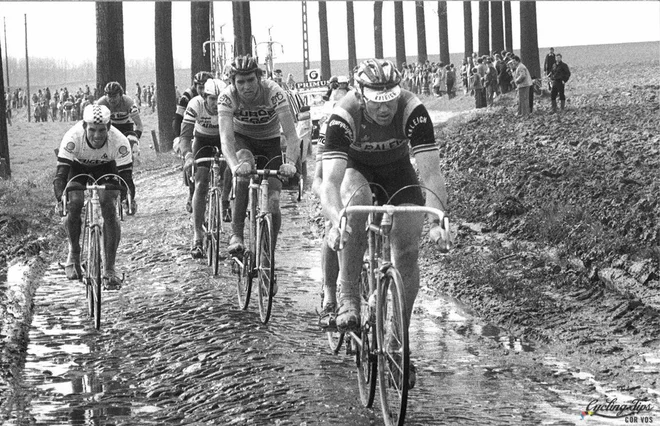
349,290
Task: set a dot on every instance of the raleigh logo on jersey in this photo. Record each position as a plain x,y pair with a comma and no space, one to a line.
378,146
415,122
343,125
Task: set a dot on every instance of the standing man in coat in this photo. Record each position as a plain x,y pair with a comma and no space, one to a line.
560,75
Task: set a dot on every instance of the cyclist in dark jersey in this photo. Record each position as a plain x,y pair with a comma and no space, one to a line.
93,146
370,135
124,114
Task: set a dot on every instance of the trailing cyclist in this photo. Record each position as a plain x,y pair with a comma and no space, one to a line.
369,138
124,114
201,121
251,111
93,146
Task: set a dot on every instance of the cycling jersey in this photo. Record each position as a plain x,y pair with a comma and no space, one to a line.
351,133
75,148
123,115
182,104
259,119
199,119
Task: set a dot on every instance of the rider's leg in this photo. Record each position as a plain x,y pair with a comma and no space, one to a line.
275,188
226,191
406,232
350,258
330,269
240,203
199,203
73,225
111,229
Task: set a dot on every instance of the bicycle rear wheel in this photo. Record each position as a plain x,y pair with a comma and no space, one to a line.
265,266
365,358
393,359
94,279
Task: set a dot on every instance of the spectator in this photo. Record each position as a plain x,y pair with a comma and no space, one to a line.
476,86
560,75
451,80
549,64
523,81
491,82
290,81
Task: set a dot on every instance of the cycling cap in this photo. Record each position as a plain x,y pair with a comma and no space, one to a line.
214,86
201,77
342,79
96,114
243,65
333,79
379,80
113,88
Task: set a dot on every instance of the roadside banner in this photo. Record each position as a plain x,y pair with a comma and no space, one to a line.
313,74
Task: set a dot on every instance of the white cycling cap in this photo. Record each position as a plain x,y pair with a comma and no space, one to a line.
96,114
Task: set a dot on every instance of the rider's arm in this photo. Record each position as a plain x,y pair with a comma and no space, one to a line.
185,141
137,120
59,183
333,174
228,140
290,135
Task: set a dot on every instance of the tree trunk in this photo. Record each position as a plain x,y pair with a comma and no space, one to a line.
508,30
443,33
422,55
484,36
242,28
496,25
399,34
110,65
165,94
467,28
200,32
352,56
326,68
529,41
5,169
378,29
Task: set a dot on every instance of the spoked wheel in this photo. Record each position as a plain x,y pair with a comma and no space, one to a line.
394,356
215,219
94,280
265,266
245,274
365,358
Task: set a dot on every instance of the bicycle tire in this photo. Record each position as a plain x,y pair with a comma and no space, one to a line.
215,217
365,358
394,358
265,259
244,270
95,268
89,297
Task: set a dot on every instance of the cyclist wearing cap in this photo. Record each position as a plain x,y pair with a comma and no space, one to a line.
196,89
93,146
251,111
369,136
124,114
201,120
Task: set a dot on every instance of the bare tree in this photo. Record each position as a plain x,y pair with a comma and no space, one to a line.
484,36
378,28
200,32
422,55
529,40
508,30
242,28
496,26
5,169
467,28
110,64
166,96
352,56
326,70
443,32
399,34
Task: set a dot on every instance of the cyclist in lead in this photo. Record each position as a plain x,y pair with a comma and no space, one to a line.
251,111
196,89
201,121
124,114
93,146
369,138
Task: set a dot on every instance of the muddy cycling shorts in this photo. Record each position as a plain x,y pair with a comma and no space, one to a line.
392,177
267,154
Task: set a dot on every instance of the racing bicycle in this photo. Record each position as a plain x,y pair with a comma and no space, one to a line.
381,345
93,249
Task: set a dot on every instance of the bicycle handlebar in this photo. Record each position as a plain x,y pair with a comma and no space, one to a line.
207,159
392,210
72,185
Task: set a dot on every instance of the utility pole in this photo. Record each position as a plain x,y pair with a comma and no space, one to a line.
5,170
6,58
27,72
305,41
270,56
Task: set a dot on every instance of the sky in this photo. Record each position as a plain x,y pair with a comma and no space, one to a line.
65,31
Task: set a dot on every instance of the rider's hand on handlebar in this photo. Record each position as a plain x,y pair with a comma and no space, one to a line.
441,237
243,169
287,170
188,163
333,238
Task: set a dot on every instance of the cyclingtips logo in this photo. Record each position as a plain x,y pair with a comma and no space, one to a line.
636,411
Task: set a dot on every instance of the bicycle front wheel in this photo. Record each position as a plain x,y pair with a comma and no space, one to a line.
265,266
393,358
213,230
244,270
94,279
